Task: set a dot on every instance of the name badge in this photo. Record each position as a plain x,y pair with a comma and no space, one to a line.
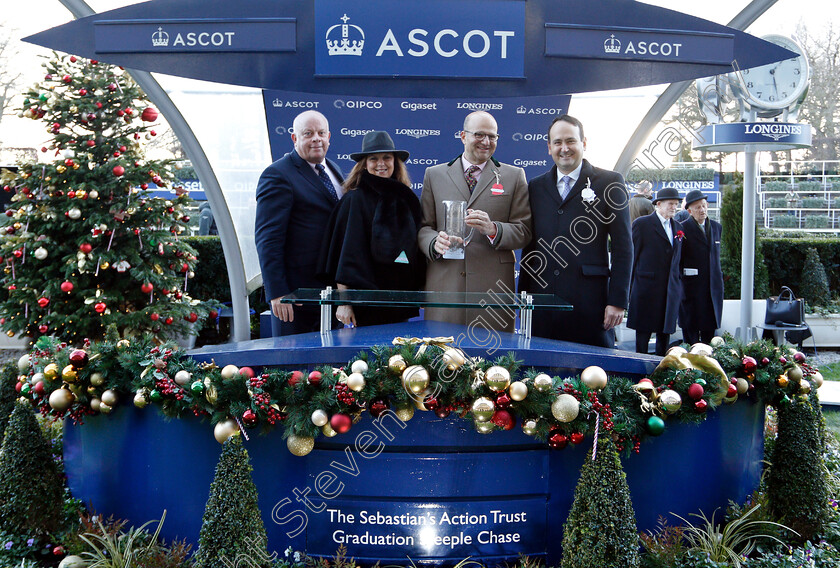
497,189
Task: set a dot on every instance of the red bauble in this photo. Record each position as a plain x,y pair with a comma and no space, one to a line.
765,361
576,437
112,87
78,358
43,302
695,391
557,440
118,170
58,551
71,194
91,143
9,212
213,314
168,320
799,357
782,360
442,412
66,286
85,248
164,291
39,388
73,59
503,419
192,317
749,364
341,423
17,253
249,418
430,402
100,307
146,287
154,316
503,401
149,114
377,407
296,377
701,405
314,377
247,372
43,328
67,78
82,91
18,386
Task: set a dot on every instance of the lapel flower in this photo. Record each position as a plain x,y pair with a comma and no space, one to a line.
587,194
680,235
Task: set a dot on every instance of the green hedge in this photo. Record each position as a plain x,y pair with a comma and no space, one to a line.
785,259
817,222
671,174
776,186
776,202
814,203
809,186
783,221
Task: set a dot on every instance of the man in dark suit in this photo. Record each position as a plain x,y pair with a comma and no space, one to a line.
656,292
295,197
581,250
702,278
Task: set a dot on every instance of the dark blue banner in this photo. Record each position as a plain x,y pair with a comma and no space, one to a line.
197,36
471,38
770,136
638,44
429,129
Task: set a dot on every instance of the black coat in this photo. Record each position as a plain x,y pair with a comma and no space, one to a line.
581,252
371,244
656,291
702,303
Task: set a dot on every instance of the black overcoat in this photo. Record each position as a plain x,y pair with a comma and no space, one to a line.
702,303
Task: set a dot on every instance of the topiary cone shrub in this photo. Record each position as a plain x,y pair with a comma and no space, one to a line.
232,531
814,284
8,395
31,487
601,528
797,488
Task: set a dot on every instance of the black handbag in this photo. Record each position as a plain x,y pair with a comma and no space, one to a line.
784,309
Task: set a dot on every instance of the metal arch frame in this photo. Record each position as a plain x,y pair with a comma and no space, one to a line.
241,328
666,100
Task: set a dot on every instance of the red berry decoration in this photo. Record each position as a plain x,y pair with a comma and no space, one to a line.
377,407
58,551
701,405
341,423
100,307
43,302
557,440
296,377
749,364
149,114
154,316
576,437
85,248
78,358
695,391
314,379
118,170
503,419
146,287
249,418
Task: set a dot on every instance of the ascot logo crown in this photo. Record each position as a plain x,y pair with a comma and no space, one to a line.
521,110
160,38
612,45
350,40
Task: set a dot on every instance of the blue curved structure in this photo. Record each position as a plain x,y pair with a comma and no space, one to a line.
492,497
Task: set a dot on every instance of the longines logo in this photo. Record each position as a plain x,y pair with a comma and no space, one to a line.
524,110
204,39
480,106
528,136
339,103
352,133
416,132
277,103
774,131
345,39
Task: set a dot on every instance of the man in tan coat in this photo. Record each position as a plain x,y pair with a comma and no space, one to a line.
497,210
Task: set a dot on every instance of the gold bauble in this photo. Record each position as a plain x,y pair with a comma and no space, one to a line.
804,387
300,445
782,381
529,427
328,430
109,397
23,363
105,408
38,377
405,413
716,341
817,379
60,169
122,344
104,265
518,390
230,372
140,400
543,382
795,373
61,399
670,401
594,377
701,349
497,378
51,372
182,377
565,408
415,379
97,379
69,374
397,363
676,350
91,390
95,404
225,429
743,385
420,400
76,389
484,427
359,366
319,418
355,382
453,358
483,409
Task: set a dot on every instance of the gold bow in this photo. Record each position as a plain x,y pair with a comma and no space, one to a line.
650,399
704,363
439,341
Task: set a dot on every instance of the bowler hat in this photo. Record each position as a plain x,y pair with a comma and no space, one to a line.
378,142
692,196
666,193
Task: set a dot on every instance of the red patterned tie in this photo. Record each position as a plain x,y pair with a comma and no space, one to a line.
470,177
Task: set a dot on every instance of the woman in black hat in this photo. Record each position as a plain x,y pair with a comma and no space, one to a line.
371,242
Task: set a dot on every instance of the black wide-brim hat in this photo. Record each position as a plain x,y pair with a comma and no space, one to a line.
378,142
667,193
692,196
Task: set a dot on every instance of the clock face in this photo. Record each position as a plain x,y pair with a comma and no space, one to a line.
777,85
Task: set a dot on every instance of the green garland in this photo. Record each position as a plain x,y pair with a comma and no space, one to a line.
62,381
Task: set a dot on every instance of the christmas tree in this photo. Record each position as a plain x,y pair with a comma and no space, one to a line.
83,243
